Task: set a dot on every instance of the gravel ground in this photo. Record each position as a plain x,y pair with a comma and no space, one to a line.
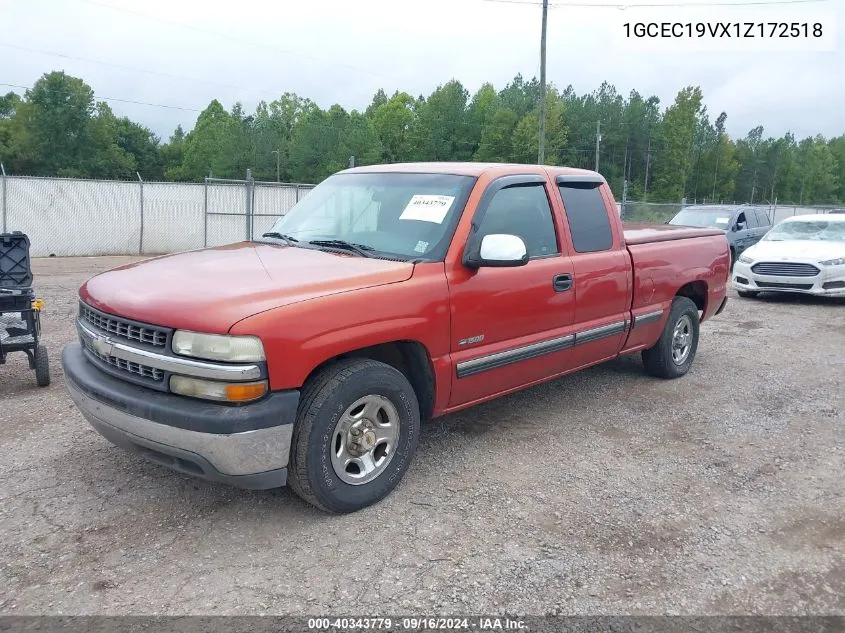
604,492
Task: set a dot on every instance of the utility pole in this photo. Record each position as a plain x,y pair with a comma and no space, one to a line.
278,154
647,165
598,142
541,133
715,174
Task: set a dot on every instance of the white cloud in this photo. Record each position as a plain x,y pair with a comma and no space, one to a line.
335,51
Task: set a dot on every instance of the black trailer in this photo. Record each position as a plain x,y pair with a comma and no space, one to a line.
20,311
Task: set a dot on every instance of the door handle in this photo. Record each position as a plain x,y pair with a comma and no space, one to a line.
562,283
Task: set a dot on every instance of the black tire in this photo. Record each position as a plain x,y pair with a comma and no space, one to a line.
325,398
42,366
747,294
658,360
733,259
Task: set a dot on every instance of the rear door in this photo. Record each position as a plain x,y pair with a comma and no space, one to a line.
603,277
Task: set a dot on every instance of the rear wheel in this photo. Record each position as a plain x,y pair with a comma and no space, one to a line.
42,366
356,432
674,352
747,294
733,258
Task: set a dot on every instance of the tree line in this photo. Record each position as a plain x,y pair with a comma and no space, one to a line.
58,128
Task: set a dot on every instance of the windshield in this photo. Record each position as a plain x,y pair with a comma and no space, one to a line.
704,219
817,230
394,214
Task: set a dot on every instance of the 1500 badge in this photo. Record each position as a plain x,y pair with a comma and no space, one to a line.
471,340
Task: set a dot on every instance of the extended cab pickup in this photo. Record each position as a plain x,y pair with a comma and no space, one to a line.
389,295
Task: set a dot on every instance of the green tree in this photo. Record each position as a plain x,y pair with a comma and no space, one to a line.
323,142
143,145
172,153
441,130
208,147
392,121
497,138
678,133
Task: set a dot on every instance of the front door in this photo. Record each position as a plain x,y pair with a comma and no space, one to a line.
512,326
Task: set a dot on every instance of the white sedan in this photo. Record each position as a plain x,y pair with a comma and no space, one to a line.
805,254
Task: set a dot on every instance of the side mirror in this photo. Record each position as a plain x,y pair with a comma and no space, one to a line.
739,226
497,250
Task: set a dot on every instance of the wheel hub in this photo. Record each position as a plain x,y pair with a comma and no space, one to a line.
682,340
365,439
362,438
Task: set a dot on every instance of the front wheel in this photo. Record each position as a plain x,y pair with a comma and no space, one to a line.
355,435
672,355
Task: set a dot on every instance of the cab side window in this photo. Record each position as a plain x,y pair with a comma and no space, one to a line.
522,210
586,214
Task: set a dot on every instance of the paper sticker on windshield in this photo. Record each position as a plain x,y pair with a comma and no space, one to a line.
427,208
722,220
421,246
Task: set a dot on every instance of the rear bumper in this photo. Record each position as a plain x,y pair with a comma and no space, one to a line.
234,445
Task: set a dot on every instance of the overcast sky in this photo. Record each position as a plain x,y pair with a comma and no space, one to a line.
342,51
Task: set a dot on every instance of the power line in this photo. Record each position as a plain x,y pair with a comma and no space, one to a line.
144,103
133,68
233,38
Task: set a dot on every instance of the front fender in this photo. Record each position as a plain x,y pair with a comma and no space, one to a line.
300,337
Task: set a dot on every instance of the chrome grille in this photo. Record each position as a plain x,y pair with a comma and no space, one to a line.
785,269
122,328
128,366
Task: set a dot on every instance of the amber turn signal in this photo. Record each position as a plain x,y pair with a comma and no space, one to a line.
245,392
220,391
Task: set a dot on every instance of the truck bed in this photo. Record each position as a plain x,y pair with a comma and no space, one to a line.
641,233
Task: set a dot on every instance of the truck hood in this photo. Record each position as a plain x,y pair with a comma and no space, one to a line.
210,290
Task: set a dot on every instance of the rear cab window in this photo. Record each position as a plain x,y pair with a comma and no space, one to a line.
586,214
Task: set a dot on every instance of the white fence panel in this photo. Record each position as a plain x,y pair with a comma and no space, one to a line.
174,217
64,217
227,208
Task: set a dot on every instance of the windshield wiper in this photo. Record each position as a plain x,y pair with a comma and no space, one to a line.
281,236
361,249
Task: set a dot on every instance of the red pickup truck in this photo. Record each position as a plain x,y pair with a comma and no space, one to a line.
389,295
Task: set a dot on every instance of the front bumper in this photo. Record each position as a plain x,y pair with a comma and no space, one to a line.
246,446
830,282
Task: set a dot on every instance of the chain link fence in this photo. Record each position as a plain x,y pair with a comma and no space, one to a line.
75,217
660,212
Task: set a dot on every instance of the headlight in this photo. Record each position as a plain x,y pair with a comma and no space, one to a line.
221,391
833,262
745,259
217,347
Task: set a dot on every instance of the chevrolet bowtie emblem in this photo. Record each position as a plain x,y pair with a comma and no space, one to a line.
102,345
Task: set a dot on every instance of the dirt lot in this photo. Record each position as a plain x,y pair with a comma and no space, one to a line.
605,492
